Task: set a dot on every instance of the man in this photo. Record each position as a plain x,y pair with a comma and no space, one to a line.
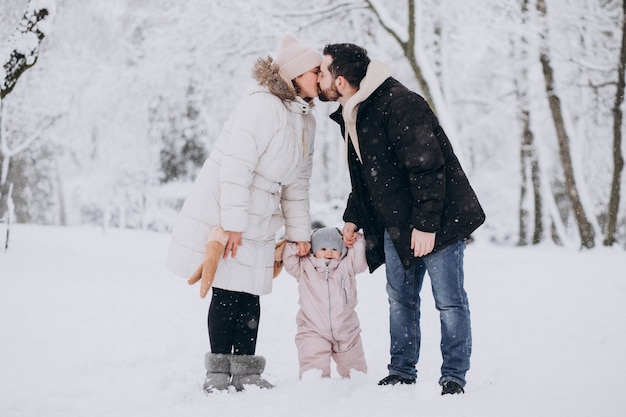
412,200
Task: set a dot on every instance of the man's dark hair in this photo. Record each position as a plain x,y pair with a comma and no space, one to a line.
349,61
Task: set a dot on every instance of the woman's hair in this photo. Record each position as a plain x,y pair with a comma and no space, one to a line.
349,61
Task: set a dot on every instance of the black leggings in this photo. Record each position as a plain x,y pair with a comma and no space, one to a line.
233,322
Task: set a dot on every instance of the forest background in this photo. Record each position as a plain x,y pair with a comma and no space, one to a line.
125,99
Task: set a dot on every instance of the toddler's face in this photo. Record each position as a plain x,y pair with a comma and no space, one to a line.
327,253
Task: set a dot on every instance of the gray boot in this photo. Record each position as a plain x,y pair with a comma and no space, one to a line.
247,370
217,372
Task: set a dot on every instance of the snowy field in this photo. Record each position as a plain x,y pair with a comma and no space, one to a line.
91,324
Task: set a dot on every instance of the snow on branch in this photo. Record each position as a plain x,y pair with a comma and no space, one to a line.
23,45
388,23
316,15
329,10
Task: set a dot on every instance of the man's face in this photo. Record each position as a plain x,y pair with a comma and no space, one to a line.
326,83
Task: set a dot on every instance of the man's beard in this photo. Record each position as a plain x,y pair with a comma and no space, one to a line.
329,94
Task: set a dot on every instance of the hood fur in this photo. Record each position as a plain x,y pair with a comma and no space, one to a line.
265,71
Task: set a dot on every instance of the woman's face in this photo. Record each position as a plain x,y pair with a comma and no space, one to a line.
307,83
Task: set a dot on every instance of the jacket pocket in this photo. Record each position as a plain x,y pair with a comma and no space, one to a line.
264,206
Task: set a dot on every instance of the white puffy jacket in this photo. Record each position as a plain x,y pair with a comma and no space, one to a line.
256,178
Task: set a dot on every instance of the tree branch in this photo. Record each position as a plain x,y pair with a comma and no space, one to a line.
387,24
24,46
30,139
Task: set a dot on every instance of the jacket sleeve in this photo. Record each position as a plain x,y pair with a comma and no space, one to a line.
418,150
350,214
250,128
292,262
295,203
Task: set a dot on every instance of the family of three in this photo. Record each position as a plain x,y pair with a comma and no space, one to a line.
411,209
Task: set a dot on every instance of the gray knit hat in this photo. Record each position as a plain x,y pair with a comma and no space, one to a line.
328,237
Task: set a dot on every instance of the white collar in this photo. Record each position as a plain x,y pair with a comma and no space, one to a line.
377,73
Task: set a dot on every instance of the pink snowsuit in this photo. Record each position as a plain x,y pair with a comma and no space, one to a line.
328,325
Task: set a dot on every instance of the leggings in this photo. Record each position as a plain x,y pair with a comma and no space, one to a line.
233,322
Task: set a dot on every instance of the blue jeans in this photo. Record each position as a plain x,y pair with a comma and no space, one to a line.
445,269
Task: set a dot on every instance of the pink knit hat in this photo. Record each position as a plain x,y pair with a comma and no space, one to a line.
294,58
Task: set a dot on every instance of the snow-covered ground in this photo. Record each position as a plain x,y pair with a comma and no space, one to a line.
91,324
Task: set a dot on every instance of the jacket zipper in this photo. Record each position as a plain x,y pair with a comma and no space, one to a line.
343,288
330,313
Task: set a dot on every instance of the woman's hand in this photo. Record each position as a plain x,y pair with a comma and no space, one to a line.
233,242
303,248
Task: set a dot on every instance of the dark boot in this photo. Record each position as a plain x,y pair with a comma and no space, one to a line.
395,379
217,372
247,370
451,387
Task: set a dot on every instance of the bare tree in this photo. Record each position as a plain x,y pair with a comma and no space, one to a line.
618,158
585,229
408,40
408,45
529,165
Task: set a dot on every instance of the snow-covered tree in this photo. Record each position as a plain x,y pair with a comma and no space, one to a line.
17,55
22,49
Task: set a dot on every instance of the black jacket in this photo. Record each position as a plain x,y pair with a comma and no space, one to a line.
409,176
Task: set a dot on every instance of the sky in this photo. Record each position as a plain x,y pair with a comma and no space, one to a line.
93,324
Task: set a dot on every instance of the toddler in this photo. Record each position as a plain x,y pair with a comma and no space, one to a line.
328,325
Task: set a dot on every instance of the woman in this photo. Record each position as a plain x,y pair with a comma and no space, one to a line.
255,180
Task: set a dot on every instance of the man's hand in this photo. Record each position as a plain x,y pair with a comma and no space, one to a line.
349,234
234,241
422,243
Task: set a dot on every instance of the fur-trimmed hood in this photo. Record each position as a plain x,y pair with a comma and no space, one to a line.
266,72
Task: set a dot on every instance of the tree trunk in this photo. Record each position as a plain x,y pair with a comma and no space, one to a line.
529,164
530,175
426,78
538,232
5,159
618,158
9,217
408,47
19,59
585,229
